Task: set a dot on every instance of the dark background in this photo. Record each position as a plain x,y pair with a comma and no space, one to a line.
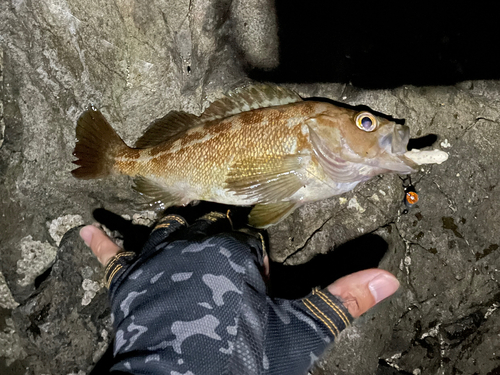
384,46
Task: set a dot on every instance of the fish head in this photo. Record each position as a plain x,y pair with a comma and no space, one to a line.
359,145
377,142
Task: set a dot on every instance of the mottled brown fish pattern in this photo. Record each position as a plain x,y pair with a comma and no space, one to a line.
259,145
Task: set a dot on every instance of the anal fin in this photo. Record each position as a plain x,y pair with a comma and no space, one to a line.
156,192
264,215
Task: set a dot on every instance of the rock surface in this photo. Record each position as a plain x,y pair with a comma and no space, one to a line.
62,327
138,60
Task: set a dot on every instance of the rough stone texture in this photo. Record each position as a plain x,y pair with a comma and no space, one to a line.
36,258
136,61
62,327
58,227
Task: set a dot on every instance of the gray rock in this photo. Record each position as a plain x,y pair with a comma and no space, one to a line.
62,328
138,60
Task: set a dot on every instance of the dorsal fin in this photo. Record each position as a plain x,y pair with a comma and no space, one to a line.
250,97
240,100
174,123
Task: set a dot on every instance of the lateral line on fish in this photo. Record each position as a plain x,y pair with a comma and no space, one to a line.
177,145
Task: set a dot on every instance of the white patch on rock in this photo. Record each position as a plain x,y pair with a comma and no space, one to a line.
90,288
342,200
427,157
491,310
36,258
58,227
144,218
407,261
6,299
445,144
353,203
375,197
433,332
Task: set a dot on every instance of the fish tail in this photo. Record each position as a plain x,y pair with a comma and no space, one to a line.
96,147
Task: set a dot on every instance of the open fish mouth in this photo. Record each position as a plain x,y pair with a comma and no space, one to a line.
396,141
393,146
345,168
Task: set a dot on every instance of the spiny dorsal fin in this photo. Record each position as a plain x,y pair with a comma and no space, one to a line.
247,98
240,100
169,126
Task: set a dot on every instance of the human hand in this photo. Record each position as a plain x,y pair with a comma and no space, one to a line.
359,291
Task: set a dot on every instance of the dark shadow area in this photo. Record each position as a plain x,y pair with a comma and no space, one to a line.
292,282
358,108
422,142
42,277
377,45
135,236
104,364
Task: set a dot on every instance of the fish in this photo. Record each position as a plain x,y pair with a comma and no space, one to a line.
260,145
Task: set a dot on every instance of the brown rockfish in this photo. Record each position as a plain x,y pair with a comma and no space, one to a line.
260,145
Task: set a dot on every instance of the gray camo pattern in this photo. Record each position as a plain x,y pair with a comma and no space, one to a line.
200,308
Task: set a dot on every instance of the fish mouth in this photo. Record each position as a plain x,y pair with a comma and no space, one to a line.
393,146
396,141
346,166
395,163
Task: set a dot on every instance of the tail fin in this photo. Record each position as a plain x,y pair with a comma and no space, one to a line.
96,147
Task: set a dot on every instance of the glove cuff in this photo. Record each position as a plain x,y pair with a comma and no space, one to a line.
328,309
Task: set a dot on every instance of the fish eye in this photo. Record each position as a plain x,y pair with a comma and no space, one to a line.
366,121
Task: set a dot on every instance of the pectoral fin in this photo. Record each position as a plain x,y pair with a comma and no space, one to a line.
156,192
265,179
263,215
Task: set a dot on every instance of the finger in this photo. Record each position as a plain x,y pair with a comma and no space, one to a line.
100,244
266,266
362,290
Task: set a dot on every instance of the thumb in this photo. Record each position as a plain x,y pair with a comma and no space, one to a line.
362,290
100,244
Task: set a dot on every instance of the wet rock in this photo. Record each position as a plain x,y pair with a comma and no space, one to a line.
58,227
138,60
320,227
61,327
37,257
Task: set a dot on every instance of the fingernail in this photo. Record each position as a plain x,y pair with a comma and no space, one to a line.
86,235
383,286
